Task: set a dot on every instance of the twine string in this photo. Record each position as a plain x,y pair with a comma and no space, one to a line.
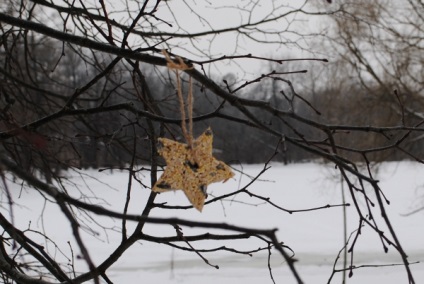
185,121
187,132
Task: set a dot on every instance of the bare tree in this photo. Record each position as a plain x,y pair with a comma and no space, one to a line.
383,45
103,82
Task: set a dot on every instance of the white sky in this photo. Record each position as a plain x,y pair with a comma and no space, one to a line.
188,16
233,13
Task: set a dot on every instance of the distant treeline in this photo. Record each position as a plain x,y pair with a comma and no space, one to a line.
107,139
101,136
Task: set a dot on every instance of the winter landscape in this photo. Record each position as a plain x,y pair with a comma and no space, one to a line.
236,141
316,237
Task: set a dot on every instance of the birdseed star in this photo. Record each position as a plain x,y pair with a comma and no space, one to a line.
191,169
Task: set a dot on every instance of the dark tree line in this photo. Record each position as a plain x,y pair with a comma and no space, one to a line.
93,141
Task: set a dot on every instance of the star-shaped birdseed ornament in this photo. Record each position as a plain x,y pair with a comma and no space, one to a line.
191,169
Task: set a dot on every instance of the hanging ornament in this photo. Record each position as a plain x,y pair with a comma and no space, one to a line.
191,166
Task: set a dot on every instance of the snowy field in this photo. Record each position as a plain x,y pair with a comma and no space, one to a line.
316,236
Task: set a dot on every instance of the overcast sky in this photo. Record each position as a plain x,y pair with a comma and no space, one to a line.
198,16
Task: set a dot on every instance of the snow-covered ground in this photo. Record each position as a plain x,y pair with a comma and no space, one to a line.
315,236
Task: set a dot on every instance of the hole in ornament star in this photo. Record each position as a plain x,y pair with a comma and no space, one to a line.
193,166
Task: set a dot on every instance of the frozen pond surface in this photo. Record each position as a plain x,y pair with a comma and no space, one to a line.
315,236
